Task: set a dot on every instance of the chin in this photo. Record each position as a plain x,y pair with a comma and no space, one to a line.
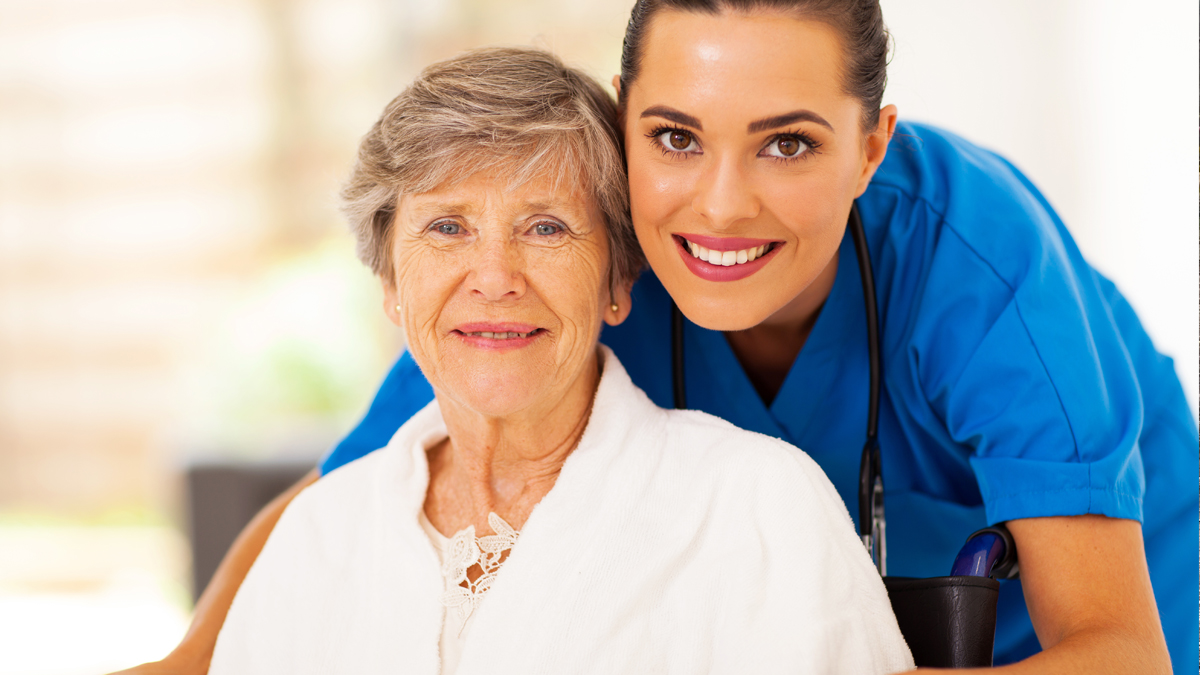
725,315
496,394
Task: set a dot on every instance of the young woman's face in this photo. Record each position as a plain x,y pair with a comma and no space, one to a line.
745,155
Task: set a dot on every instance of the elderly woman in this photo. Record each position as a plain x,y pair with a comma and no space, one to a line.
542,515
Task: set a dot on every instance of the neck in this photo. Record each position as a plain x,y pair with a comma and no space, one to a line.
504,464
768,350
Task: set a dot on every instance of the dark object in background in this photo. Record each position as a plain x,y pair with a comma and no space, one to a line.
222,499
948,622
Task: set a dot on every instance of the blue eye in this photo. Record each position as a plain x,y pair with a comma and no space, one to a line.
448,227
546,229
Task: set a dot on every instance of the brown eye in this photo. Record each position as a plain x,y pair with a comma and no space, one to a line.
788,146
675,142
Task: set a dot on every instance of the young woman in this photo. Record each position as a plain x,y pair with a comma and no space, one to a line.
1019,386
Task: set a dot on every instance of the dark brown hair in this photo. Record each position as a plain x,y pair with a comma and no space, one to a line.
859,23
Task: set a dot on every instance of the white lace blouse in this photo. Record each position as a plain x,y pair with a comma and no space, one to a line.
671,542
458,555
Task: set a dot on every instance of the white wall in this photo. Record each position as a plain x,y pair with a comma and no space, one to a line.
1096,101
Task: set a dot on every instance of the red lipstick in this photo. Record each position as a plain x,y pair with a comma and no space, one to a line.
726,243
710,272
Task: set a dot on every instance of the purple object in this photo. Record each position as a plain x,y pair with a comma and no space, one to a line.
978,556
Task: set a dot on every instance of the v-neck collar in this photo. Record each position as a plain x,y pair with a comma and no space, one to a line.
813,372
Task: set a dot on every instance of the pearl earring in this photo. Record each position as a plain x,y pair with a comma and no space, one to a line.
397,308
616,308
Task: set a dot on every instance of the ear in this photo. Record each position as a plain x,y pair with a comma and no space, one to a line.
875,147
391,299
622,296
616,83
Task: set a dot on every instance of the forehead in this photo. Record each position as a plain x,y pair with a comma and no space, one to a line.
771,60
483,192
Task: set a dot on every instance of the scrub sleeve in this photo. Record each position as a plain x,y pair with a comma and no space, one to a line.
1018,382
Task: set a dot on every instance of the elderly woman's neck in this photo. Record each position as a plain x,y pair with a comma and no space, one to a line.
504,464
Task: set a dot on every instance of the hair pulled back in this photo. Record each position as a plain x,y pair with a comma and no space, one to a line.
859,23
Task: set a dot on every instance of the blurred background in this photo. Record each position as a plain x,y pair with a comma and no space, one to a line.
176,287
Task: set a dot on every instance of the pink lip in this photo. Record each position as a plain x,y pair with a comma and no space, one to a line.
710,272
726,243
464,331
496,328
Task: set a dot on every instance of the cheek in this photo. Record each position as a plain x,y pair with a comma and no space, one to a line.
655,195
425,281
812,207
575,288
805,209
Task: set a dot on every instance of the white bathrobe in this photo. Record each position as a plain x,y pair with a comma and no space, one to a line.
672,542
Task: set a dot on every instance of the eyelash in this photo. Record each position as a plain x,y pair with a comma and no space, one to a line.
811,144
667,152
561,229
435,225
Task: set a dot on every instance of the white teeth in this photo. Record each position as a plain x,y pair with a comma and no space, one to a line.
500,335
727,258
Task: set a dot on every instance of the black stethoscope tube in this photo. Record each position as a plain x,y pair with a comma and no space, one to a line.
871,523
677,357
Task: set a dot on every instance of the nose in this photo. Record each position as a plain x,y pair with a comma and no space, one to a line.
497,273
723,195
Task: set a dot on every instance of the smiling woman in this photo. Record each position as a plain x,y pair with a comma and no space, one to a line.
698,139
621,537
513,283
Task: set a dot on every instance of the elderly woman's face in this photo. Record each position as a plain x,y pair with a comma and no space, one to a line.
501,292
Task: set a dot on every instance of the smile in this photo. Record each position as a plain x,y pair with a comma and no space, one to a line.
501,336
725,258
498,336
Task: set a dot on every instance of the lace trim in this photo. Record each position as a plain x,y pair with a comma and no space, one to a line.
465,551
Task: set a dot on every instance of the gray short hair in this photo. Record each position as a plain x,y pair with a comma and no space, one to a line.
512,110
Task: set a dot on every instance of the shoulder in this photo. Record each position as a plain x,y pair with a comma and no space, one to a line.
936,167
938,191
322,521
342,506
701,453
751,473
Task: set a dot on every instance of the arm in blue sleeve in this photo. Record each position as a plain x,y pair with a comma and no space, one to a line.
404,392
1038,381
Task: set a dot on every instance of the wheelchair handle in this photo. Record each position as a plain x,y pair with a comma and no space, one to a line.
990,552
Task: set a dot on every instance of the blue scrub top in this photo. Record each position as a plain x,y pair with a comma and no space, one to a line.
1017,381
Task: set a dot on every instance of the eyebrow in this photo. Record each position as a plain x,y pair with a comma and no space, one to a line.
786,119
441,208
674,115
